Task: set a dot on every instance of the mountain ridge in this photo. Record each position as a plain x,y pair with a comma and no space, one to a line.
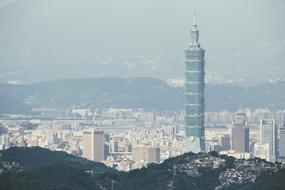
147,93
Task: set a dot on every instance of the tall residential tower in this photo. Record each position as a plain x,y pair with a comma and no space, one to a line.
269,135
194,94
240,132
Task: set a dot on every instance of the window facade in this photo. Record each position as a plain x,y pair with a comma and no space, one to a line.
194,92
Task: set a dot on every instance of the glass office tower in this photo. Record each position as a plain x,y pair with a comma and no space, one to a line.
194,94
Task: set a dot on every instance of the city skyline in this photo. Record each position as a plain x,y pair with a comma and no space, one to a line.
104,122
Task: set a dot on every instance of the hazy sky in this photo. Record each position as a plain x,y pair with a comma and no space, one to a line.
53,39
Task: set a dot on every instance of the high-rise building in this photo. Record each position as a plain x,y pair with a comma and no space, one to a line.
282,144
268,134
194,94
93,145
261,150
148,154
240,133
225,142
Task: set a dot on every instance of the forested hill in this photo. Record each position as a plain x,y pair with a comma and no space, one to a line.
41,169
148,93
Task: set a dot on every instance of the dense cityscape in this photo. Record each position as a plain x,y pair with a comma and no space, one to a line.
133,138
128,139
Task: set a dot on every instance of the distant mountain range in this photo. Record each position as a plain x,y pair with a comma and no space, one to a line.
41,169
148,93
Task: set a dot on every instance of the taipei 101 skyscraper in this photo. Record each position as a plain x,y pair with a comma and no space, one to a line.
194,94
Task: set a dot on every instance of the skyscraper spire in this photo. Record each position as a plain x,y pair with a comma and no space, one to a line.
195,32
194,18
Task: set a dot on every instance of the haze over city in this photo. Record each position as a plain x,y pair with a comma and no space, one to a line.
46,40
142,95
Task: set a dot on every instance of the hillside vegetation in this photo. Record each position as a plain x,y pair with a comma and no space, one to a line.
41,169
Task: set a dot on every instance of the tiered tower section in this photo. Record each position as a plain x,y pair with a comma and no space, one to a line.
194,94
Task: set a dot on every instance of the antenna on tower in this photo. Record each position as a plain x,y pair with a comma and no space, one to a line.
194,18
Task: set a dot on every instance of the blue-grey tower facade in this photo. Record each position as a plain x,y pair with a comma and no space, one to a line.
194,94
